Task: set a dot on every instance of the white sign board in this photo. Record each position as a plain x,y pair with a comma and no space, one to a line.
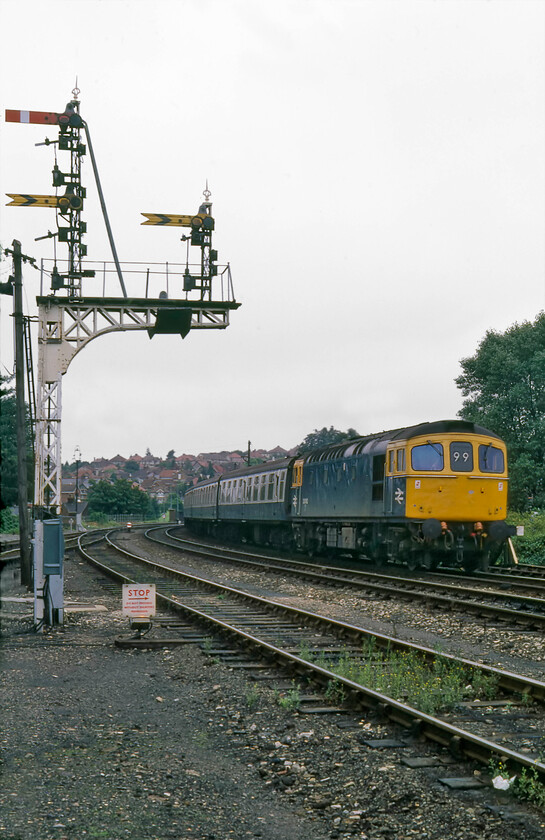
139,600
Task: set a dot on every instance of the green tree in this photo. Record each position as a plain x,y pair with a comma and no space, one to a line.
324,437
120,497
8,438
132,466
503,384
170,462
207,472
71,469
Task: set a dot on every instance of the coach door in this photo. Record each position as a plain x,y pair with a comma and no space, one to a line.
394,481
296,488
389,482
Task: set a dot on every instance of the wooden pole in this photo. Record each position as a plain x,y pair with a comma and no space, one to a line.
22,482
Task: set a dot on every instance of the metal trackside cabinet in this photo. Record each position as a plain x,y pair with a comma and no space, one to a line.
48,580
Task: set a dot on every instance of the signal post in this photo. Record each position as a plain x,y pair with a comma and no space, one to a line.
68,320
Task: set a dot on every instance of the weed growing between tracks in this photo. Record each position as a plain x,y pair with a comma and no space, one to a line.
289,700
526,786
429,687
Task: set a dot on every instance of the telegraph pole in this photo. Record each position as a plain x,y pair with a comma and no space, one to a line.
24,528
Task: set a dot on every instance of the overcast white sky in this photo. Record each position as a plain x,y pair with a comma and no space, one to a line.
377,174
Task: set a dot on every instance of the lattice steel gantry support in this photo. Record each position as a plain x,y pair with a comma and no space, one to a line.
65,326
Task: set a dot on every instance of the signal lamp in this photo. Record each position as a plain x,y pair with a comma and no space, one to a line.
189,281
57,280
58,177
7,288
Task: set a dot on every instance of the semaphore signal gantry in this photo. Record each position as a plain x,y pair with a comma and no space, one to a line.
165,298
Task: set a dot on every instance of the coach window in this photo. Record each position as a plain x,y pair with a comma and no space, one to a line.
491,459
281,486
461,456
262,480
428,457
270,488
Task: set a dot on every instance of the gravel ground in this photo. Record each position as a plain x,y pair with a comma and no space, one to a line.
99,742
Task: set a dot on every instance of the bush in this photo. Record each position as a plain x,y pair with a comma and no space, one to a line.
531,547
9,523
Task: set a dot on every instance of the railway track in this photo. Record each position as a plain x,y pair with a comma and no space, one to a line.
311,647
513,606
11,554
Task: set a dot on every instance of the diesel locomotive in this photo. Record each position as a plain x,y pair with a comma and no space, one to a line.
423,495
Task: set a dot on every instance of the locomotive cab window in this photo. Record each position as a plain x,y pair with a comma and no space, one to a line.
379,462
491,459
428,457
400,460
461,456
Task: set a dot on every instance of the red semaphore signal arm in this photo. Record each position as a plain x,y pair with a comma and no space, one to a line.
37,117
